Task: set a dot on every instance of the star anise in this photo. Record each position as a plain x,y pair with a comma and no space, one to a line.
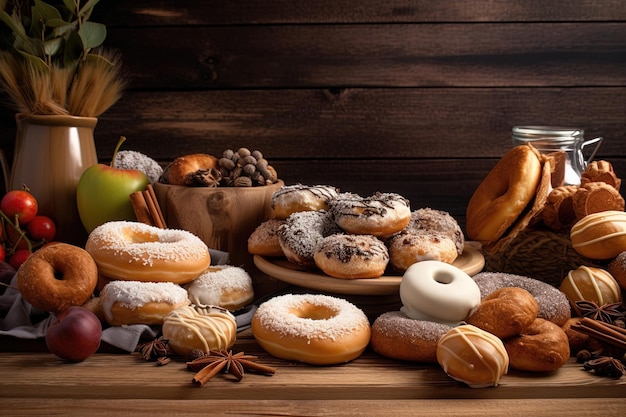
606,313
152,351
606,366
215,361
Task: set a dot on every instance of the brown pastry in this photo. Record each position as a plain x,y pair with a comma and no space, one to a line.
600,171
558,213
193,170
595,197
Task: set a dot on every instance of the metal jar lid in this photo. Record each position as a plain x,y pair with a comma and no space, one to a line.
554,133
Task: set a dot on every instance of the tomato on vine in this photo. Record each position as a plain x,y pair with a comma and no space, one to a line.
19,204
42,228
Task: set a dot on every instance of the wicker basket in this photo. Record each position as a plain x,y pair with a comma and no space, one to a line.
537,253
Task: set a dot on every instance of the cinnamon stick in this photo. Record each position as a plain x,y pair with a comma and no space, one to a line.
605,332
159,213
153,211
140,207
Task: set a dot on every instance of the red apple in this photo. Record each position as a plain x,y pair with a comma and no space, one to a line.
75,334
103,193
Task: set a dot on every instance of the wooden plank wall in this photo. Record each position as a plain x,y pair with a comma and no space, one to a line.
415,97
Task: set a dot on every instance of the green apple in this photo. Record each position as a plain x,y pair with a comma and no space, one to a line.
103,193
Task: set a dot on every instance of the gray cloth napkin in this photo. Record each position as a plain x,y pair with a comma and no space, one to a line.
21,320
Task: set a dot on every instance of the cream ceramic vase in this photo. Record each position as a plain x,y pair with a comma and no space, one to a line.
51,153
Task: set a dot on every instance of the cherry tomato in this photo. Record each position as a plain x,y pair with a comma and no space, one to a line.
41,228
21,204
18,258
3,254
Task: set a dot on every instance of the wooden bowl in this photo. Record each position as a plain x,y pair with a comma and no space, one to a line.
223,217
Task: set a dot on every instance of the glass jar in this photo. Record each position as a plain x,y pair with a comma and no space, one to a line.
571,141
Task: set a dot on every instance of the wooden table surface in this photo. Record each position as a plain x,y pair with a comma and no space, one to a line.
37,383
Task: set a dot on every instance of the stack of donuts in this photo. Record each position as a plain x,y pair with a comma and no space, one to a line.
133,273
349,236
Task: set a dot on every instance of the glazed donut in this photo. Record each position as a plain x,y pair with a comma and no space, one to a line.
558,212
314,329
301,233
595,197
504,194
590,284
182,169
199,327
407,248
541,347
382,214
437,291
617,268
505,312
291,199
264,239
553,304
437,221
395,335
225,286
351,256
600,235
472,356
138,252
136,302
600,171
57,276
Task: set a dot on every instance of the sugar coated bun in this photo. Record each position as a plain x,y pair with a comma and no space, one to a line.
600,235
180,171
595,197
301,233
264,239
473,356
199,327
504,194
591,284
381,214
224,286
553,304
57,276
617,268
397,336
505,312
434,221
136,302
541,347
437,291
138,252
140,162
314,329
351,256
407,248
290,199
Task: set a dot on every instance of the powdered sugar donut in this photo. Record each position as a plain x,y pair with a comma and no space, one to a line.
291,199
135,302
431,221
225,286
351,256
138,252
264,239
315,329
382,214
300,234
553,304
407,248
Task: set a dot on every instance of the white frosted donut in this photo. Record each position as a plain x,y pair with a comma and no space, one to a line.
314,329
437,291
381,214
199,327
553,304
136,302
135,251
226,286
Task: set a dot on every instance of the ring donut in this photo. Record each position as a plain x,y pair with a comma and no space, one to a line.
553,304
314,329
135,251
437,291
57,276
504,194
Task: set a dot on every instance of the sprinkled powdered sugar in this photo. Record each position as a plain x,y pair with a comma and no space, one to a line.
144,243
216,280
303,230
276,315
433,221
303,194
135,294
553,304
140,162
397,324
